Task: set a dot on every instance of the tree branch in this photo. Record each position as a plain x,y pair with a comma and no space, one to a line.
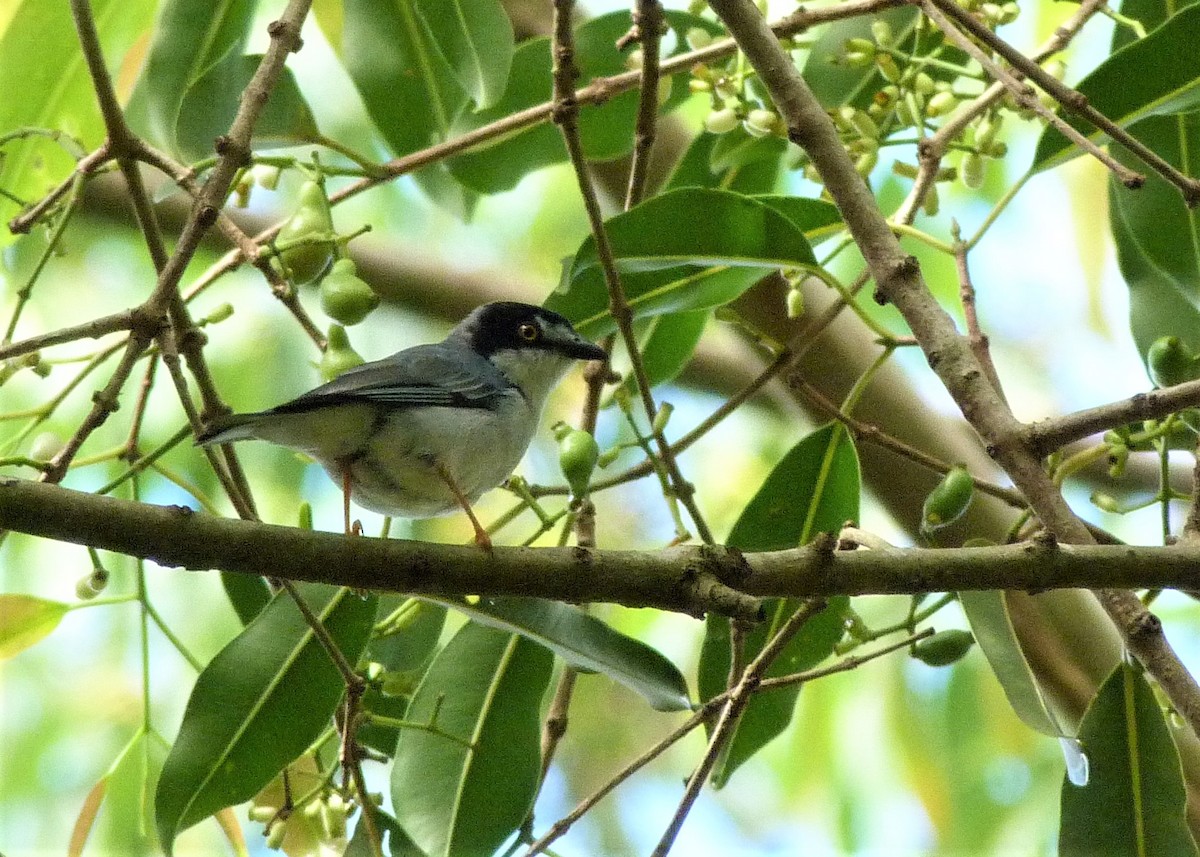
689,579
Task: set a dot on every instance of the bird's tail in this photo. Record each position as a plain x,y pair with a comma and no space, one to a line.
227,429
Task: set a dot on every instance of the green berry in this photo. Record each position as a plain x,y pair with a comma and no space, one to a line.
972,170
943,648
721,121
882,31
1170,361
760,122
339,356
578,454
307,235
344,296
948,501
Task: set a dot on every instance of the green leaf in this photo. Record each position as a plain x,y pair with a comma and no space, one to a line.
475,39
247,594
987,614
406,86
587,644
1134,801
606,130
813,489
1154,76
212,101
26,619
816,218
465,794
699,168
258,705
190,38
40,60
687,249
667,346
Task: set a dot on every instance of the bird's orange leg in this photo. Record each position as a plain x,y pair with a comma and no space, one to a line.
481,537
352,529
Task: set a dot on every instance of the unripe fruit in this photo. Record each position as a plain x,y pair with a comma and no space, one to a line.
344,296
311,227
339,356
577,457
45,446
266,176
943,648
1171,362
971,170
923,84
948,501
882,31
795,303
760,123
720,121
941,103
888,67
698,37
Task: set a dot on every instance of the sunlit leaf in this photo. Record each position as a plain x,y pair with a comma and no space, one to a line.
813,489
1134,801
1155,76
987,613
47,85
475,39
587,644
687,249
257,705
464,786
26,619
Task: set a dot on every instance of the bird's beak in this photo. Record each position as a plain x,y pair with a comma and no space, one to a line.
581,349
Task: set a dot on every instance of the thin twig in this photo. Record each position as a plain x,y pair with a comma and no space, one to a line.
738,698
648,24
975,334
1022,92
566,116
1071,100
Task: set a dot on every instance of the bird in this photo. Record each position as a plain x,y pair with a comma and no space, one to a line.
428,430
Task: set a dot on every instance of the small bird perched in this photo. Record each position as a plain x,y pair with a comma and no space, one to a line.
431,428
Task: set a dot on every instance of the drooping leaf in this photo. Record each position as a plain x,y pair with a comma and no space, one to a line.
47,85
1134,801
26,619
668,346
257,705
190,38
210,104
1155,76
475,40
464,788
248,595
813,489
687,249
587,644
410,93
606,130
987,614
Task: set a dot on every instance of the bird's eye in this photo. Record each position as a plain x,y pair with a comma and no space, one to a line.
529,332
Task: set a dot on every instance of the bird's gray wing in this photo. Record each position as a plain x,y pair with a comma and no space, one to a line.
426,375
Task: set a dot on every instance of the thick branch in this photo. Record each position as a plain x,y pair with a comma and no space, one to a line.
687,579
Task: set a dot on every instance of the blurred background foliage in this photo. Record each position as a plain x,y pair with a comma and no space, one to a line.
893,758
